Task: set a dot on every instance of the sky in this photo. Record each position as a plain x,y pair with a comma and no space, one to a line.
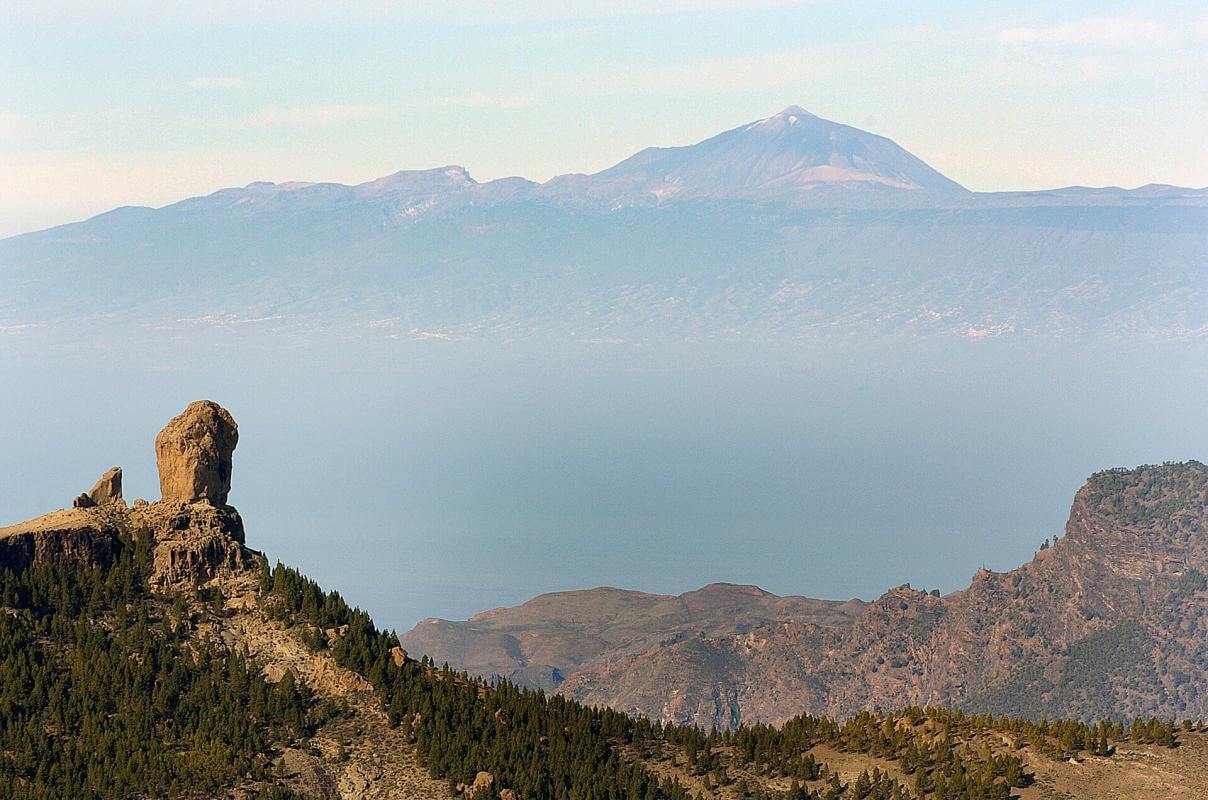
145,103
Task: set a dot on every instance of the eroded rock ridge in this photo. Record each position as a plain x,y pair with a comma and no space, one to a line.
197,537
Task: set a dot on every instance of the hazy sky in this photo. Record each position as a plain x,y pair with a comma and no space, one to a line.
146,103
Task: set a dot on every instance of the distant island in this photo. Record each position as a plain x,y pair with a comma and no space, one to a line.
784,230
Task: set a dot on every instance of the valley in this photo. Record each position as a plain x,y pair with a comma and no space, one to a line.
332,707
1109,620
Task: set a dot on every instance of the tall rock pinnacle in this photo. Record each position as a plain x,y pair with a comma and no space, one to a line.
108,490
193,454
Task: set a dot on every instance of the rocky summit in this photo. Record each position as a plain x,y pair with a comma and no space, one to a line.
196,536
190,685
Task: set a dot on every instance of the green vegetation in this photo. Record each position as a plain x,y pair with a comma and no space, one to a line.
106,693
100,698
922,741
550,748
947,753
1149,495
543,748
1089,682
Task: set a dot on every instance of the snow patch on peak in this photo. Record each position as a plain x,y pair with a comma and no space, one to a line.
795,111
790,116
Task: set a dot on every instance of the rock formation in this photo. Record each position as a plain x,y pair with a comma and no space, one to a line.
108,489
74,534
197,537
194,544
481,787
355,754
1110,621
193,454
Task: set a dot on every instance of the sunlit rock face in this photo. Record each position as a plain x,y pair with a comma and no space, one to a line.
193,453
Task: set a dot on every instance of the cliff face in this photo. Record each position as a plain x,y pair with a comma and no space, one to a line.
86,535
196,537
1113,618
1109,621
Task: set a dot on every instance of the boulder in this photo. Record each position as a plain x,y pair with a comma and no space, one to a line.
358,779
108,490
83,501
483,782
274,673
193,454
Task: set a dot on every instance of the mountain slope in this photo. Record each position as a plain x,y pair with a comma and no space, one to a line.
540,642
1107,622
777,231
680,272
147,651
775,158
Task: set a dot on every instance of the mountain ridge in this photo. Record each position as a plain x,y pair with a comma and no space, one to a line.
625,181
979,646
729,255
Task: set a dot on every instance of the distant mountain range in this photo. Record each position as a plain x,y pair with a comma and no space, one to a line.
785,229
1109,621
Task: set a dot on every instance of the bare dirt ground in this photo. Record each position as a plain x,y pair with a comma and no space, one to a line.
1133,772
354,756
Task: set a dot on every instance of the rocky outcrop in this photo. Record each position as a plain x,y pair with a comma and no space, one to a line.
193,454
194,544
197,538
355,753
108,489
89,536
483,782
1109,621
